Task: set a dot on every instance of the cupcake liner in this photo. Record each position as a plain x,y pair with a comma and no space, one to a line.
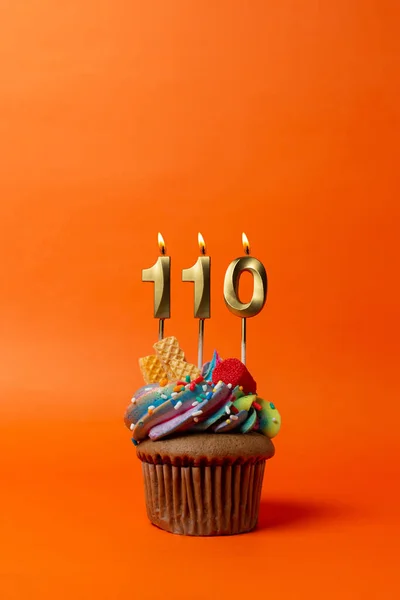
203,500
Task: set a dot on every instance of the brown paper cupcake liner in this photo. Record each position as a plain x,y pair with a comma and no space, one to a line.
204,500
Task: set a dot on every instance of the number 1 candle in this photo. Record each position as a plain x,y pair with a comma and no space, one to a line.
200,275
160,275
231,289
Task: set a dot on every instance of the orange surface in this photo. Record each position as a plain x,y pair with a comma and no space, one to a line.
119,119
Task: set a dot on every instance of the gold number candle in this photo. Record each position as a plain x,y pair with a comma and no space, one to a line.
231,289
160,275
199,274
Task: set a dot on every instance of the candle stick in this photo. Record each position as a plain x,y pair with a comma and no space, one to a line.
231,289
160,275
200,275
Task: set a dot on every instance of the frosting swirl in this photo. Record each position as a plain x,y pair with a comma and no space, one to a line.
208,403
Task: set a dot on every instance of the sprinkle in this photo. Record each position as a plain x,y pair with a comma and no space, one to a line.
174,394
150,409
141,423
227,421
272,405
178,405
209,395
227,410
181,383
209,382
203,396
163,382
133,400
275,420
197,413
195,403
198,398
135,443
187,386
204,388
196,420
164,396
241,388
234,410
187,378
147,389
177,388
256,405
199,379
132,426
192,386
229,385
234,417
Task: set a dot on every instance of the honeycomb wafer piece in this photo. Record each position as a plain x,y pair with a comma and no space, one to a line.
168,349
152,369
178,369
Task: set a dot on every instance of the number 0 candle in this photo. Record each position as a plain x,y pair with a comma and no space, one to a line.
199,274
160,275
231,289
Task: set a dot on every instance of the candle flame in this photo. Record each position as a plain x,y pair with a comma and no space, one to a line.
202,244
161,243
245,242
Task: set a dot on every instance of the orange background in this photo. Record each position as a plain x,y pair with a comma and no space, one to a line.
119,119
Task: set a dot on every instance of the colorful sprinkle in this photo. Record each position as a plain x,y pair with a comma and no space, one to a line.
192,386
256,406
209,395
203,396
133,400
147,389
164,396
234,417
275,420
241,388
163,382
134,442
196,420
199,379
234,410
272,405
197,413
195,403
187,378
178,388
204,388
174,394
181,383
132,426
227,421
141,423
178,405
150,410
229,385
227,410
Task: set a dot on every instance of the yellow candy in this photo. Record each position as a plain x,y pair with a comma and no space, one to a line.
244,402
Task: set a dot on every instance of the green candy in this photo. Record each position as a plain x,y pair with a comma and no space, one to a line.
270,419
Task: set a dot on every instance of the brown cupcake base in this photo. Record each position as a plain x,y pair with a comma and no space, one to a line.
214,494
220,500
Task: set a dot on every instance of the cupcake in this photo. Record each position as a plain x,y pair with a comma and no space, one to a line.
203,437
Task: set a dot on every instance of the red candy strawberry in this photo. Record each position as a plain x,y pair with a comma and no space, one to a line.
235,372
